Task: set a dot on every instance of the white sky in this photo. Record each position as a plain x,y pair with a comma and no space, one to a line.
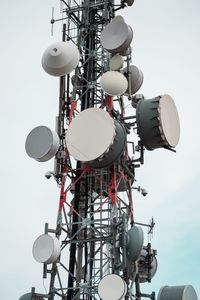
166,48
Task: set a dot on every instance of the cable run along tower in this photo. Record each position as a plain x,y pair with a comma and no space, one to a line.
97,250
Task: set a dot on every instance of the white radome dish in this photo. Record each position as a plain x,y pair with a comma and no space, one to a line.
42,143
114,83
46,249
184,292
116,62
135,241
60,58
95,137
90,134
118,18
116,36
112,287
169,121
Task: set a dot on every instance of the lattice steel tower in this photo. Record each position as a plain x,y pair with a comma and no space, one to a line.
96,250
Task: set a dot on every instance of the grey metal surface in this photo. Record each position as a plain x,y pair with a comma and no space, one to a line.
116,149
148,124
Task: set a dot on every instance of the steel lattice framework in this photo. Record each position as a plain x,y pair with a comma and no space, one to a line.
95,206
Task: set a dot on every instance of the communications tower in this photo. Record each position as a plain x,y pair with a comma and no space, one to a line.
97,250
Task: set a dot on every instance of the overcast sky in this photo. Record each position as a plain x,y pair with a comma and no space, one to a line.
166,48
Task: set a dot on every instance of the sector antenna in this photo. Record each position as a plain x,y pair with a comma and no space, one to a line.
97,249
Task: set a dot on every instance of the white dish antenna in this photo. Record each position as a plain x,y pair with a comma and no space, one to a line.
169,121
136,79
114,83
112,287
158,122
46,249
118,18
42,143
135,243
60,58
116,36
116,62
185,292
95,137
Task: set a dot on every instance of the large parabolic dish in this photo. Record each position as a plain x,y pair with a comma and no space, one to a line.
95,137
158,122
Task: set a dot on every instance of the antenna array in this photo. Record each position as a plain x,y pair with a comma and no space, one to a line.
97,250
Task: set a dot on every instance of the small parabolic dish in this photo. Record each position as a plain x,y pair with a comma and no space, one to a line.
158,122
116,62
42,143
116,36
114,83
185,292
144,269
136,79
26,297
112,287
135,237
94,137
46,249
60,58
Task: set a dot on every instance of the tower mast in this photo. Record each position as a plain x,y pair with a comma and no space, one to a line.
96,250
